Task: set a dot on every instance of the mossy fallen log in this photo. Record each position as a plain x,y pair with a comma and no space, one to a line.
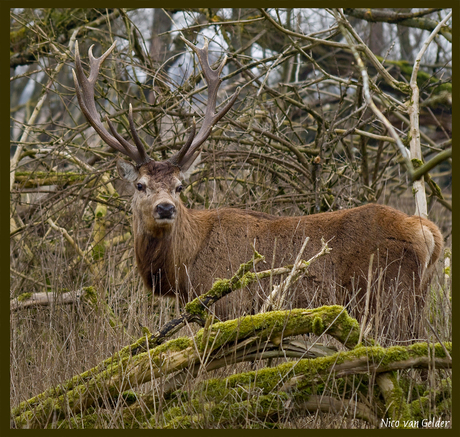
126,371
298,386
131,371
302,382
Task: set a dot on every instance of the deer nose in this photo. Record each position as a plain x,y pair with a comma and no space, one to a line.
165,210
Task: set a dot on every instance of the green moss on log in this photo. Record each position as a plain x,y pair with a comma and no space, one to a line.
223,413
333,320
267,379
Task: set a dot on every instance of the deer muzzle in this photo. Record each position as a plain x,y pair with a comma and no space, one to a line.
165,211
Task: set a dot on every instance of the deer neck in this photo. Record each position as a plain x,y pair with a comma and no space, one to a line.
162,256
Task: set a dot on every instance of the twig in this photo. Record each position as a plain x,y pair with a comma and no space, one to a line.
368,296
354,131
72,242
14,232
437,337
447,270
278,295
301,35
15,272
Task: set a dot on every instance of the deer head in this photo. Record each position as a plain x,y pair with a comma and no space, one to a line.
157,184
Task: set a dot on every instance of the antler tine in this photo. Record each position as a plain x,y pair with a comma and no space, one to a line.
84,88
212,78
140,146
177,158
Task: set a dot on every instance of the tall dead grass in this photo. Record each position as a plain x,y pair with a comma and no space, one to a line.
51,344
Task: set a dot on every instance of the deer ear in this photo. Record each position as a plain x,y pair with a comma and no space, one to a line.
127,171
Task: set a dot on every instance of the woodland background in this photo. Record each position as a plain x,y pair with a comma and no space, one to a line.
302,138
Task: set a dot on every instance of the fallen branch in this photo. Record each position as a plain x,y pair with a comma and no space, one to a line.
197,310
29,179
222,340
124,371
279,405
366,360
250,338
27,300
300,378
87,295
344,328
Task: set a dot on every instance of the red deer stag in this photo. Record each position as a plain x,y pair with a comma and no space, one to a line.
180,250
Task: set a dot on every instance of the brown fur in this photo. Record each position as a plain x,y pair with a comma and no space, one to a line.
183,251
188,255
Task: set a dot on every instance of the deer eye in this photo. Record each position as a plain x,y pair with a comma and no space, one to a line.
140,187
179,188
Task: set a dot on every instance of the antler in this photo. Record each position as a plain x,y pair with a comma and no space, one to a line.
189,151
84,87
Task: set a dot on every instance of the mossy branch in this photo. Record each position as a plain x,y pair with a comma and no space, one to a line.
197,310
124,371
422,170
242,278
396,406
265,408
244,339
301,382
27,300
33,179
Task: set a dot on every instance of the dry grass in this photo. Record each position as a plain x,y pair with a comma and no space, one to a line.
51,344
